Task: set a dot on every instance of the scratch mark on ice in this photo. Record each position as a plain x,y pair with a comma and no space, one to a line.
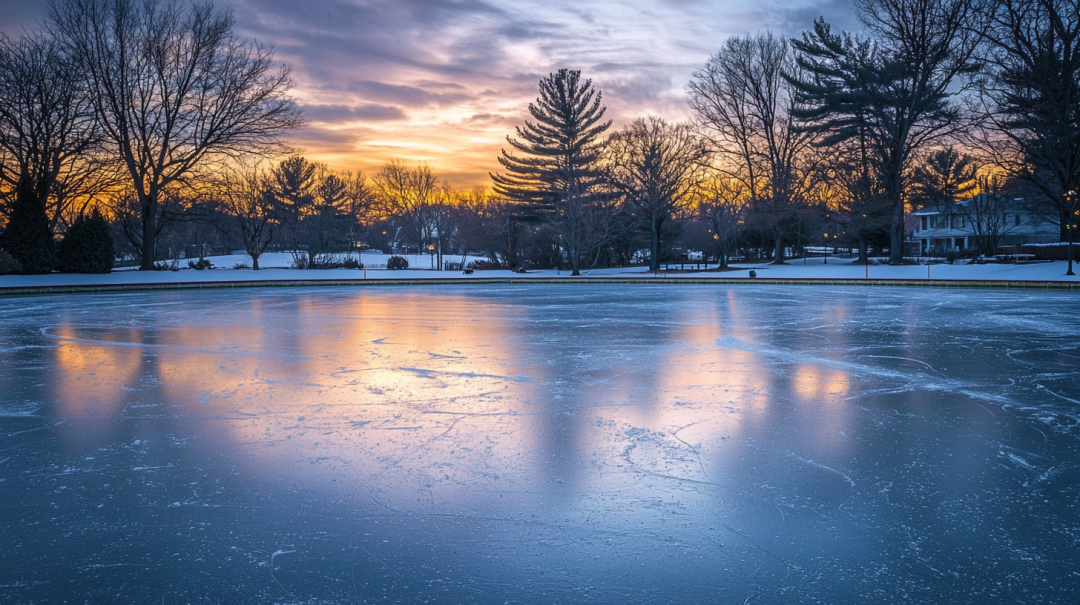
820,466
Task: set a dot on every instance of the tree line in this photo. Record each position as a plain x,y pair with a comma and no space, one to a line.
154,124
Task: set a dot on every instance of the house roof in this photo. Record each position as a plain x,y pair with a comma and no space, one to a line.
1010,206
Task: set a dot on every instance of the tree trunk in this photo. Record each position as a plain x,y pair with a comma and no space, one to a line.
1069,252
254,263
149,236
896,233
778,253
654,247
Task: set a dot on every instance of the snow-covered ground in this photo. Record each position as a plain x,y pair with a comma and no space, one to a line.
276,267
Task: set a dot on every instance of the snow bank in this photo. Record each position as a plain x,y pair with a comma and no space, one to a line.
275,268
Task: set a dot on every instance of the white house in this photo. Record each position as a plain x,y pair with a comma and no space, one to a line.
958,227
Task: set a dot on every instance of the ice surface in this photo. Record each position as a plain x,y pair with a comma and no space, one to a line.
542,444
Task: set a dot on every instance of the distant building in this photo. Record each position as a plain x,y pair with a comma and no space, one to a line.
959,227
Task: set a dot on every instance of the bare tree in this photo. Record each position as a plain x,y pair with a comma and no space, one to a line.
582,222
48,141
173,88
721,205
746,107
861,206
412,195
359,201
658,167
1031,101
175,205
442,221
469,213
986,214
245,192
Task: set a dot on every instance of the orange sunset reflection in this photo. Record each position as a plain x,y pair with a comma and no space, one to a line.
436,402
97,371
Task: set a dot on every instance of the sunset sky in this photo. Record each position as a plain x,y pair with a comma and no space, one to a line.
445,81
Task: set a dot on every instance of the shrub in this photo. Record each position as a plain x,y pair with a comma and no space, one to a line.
27,237
8,264
241,265
397,262
326,261
164,266
87,247
200,265
484,265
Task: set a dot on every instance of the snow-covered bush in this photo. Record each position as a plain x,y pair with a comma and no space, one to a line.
397,262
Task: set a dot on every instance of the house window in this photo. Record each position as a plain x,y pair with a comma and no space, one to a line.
924,223
960,222
1017,220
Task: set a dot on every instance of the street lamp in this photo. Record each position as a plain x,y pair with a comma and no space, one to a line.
826,249
1070,227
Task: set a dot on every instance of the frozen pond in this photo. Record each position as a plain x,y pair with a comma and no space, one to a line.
541,444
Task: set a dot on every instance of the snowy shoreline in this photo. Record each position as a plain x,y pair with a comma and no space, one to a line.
810,272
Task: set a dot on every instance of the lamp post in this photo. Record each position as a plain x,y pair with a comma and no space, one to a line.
826,249
1070,226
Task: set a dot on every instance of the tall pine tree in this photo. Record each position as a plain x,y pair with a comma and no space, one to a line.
560,151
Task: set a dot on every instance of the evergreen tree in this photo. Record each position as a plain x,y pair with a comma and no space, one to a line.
944,177
558,178
894,90
87,247
8,265
560,151
294,181
27,236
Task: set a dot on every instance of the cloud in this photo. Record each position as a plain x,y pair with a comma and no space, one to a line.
352,113
444,81
409,96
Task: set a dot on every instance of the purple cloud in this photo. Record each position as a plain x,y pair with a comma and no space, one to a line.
444,81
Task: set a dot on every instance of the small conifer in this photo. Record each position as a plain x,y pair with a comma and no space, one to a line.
87,247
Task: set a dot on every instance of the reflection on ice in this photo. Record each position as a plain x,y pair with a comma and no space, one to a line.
547,444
